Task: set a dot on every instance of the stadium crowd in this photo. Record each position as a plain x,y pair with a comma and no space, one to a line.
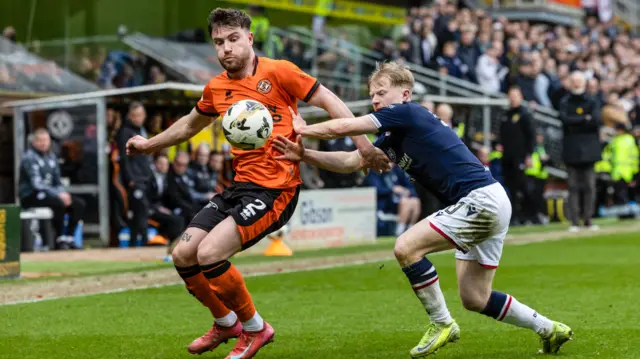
590,74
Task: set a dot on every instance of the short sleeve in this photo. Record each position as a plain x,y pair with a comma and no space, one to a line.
392,117
205,106
295,81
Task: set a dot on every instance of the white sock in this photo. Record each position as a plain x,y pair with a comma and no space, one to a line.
255,324
433,301
228,320
522,316
400,228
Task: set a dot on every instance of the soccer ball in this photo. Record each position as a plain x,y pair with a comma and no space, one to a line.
247,125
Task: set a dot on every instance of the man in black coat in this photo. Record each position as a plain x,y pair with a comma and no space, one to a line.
169,224
580,115
135,171
179,188
517,137
40,185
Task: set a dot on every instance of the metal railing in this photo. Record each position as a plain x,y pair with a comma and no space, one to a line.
482,117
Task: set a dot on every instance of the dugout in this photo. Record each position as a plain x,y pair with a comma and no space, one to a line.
80,135
79,132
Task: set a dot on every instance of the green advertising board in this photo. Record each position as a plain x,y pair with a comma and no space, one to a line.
9,241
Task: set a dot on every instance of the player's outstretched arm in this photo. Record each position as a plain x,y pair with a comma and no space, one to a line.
336,108
185,128
342,162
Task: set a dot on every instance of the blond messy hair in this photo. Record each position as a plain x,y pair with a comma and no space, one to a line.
398,75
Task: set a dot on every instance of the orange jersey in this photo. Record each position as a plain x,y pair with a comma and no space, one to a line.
277,84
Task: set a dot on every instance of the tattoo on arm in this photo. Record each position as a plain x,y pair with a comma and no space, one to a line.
185,237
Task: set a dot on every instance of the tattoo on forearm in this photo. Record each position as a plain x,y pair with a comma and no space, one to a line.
185,237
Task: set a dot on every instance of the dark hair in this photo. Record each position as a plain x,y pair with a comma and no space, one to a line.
228,18
514,87
134,105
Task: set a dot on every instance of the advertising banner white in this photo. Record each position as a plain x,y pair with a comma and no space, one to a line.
333,218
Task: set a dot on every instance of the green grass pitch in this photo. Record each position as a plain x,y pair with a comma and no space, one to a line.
361,311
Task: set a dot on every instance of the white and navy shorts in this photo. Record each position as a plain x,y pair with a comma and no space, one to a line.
477,225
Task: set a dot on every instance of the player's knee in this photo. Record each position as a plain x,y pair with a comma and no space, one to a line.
184,256
473,300
207,254
403,251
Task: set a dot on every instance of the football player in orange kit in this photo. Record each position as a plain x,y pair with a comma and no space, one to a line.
265,191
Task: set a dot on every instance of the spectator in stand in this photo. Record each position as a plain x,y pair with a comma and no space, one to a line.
169,225
339,180
259,26
156,76
395,194
9,33
537,179
428,104
518,140
428,42
541,82
468,52
526,81
580,115
449,63
179,187
593,90
40,185
490,73
216,166
200,177
136,172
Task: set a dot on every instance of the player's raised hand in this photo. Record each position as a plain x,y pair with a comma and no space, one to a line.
137,145
291,151
375,159
298,122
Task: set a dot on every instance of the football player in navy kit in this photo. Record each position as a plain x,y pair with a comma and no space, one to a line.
475,222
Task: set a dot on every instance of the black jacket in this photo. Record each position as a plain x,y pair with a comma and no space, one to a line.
580,116
132,168
39,172
517,136
178,191
157,192
528,87
202,180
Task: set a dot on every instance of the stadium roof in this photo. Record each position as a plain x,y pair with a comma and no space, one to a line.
25,73
170,91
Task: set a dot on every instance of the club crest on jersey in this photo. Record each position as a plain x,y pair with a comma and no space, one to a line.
264,86
391,154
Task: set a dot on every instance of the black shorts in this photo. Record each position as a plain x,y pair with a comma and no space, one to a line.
256,210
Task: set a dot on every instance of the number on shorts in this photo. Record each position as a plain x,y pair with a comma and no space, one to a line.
454,208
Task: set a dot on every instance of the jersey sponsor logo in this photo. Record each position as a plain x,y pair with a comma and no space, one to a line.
405,162
250,210
228,95
211,205
515,118
264,86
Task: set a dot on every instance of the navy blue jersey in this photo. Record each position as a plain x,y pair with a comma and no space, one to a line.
429,151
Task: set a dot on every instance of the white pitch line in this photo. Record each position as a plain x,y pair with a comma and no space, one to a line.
261,274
